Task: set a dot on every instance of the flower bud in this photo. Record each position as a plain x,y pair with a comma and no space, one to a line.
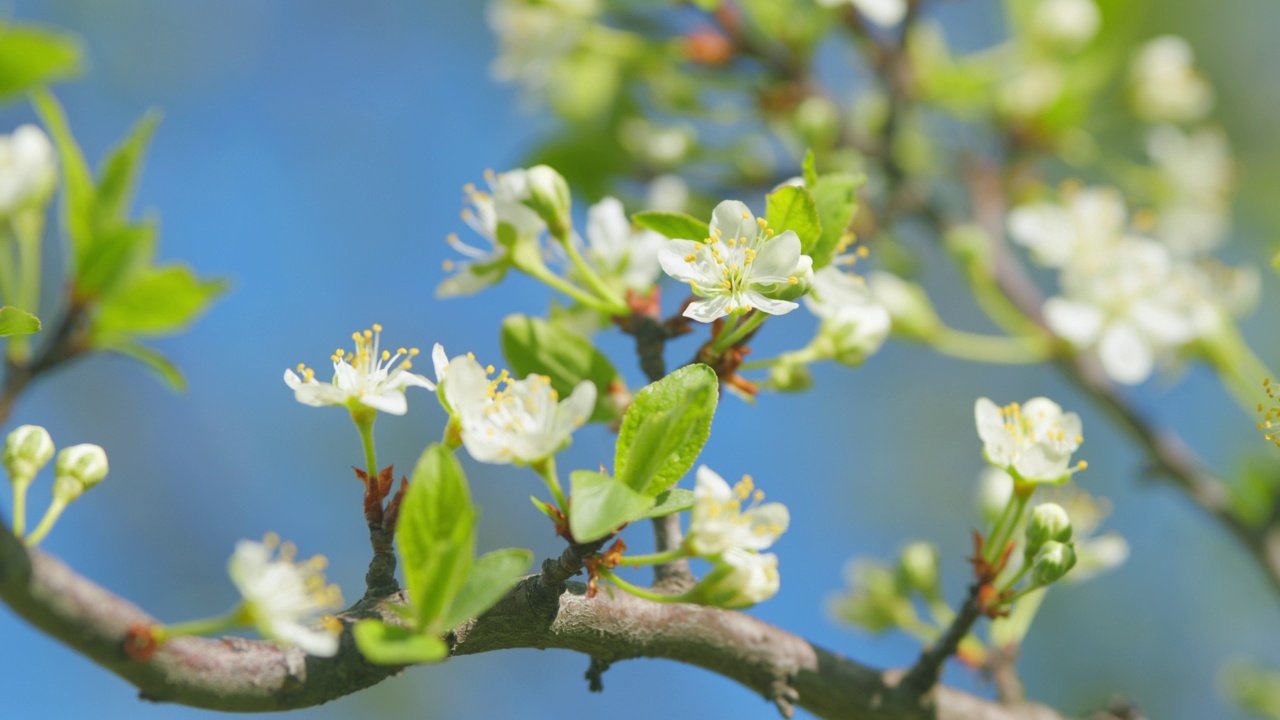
918,564
1048,522
913,315
28,169
740,579
789,376
549,197
1052,562
26,450
78,468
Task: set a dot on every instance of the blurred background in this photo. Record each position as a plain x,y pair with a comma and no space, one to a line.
314,154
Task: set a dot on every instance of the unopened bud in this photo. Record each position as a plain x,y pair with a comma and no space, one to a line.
26,450
1053,561
918,564
549,197
78,468
788,376
740,579
1048,522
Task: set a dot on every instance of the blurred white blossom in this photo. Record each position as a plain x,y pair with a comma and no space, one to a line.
285,599
504,203
1033,441
719,523
1166,85
1069,23
621,250
1195,181
853,325
28,169
885,13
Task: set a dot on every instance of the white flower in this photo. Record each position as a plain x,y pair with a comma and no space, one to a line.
369,376
1196,170
1032,89
1032,442
283,598
668,193
739,579
1087,221
909,309
1127,303
620,250
738,267
503,204
512,421
852,320
28,168
1166,85
534,38
1070,23
885,13
719,523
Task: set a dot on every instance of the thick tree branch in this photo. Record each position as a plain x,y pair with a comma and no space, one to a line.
233,674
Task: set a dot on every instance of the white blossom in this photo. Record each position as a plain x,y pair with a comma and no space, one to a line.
504,203
284,599
504,420
28,168
1057,234
668,193
739,579
738,267
719,522
1032,442
1196,177
1069,23
1166,85
854,323
621,250
369,376
534,38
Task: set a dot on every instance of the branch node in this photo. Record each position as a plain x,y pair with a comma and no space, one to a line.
595,674
783,695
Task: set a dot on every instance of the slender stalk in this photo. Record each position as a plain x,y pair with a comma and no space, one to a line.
639,591
47,522
204,626
364,419
1025,350
728,337
540,273
996,543
546,469
20,507
654,558
28,227
593,280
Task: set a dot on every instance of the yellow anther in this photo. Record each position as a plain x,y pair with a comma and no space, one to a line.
746,216
762,223
489,369
368,334
732,242
447,265
690,257
863,251
413,352
386,355
271,540
792,280
377,328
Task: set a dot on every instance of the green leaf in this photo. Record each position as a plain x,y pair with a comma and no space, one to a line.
384,644
834,195
533,345
792,208
79,191
113,256
665,428
808,169
119,174
30,57
669,503
157,301
152,358
601,504
492,575
17,322
676,226
436,536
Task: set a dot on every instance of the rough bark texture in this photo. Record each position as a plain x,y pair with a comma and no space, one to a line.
237,675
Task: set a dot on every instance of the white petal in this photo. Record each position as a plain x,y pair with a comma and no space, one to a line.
390,401
1076,322
734,220
769,305
672,259
777,259
711,486
440,361
708,310
1125,355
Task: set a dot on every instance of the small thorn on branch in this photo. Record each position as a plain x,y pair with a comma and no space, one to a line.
783,696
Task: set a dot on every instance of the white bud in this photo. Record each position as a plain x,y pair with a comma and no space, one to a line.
740,579
1048,522
1053,561
918,564
28,169
1069,23
549,197
913,315
78,468
26,450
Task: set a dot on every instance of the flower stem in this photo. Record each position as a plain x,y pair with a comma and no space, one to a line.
28,227
20,506
995,545
538,271
1024,350
728,336
364,418
205,626
547,470
593,280
654,558
1022,571
639,591
47,522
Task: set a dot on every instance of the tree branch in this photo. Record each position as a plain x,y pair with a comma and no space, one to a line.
232,674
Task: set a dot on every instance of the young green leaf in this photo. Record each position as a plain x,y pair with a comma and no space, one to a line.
533,345
676,226
115,254
836,201
152,358
384,644
665,428
77,181
31,57
601,504
119,174
17,322
491,577
792,208
808,169
436,536
157,301
669,502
